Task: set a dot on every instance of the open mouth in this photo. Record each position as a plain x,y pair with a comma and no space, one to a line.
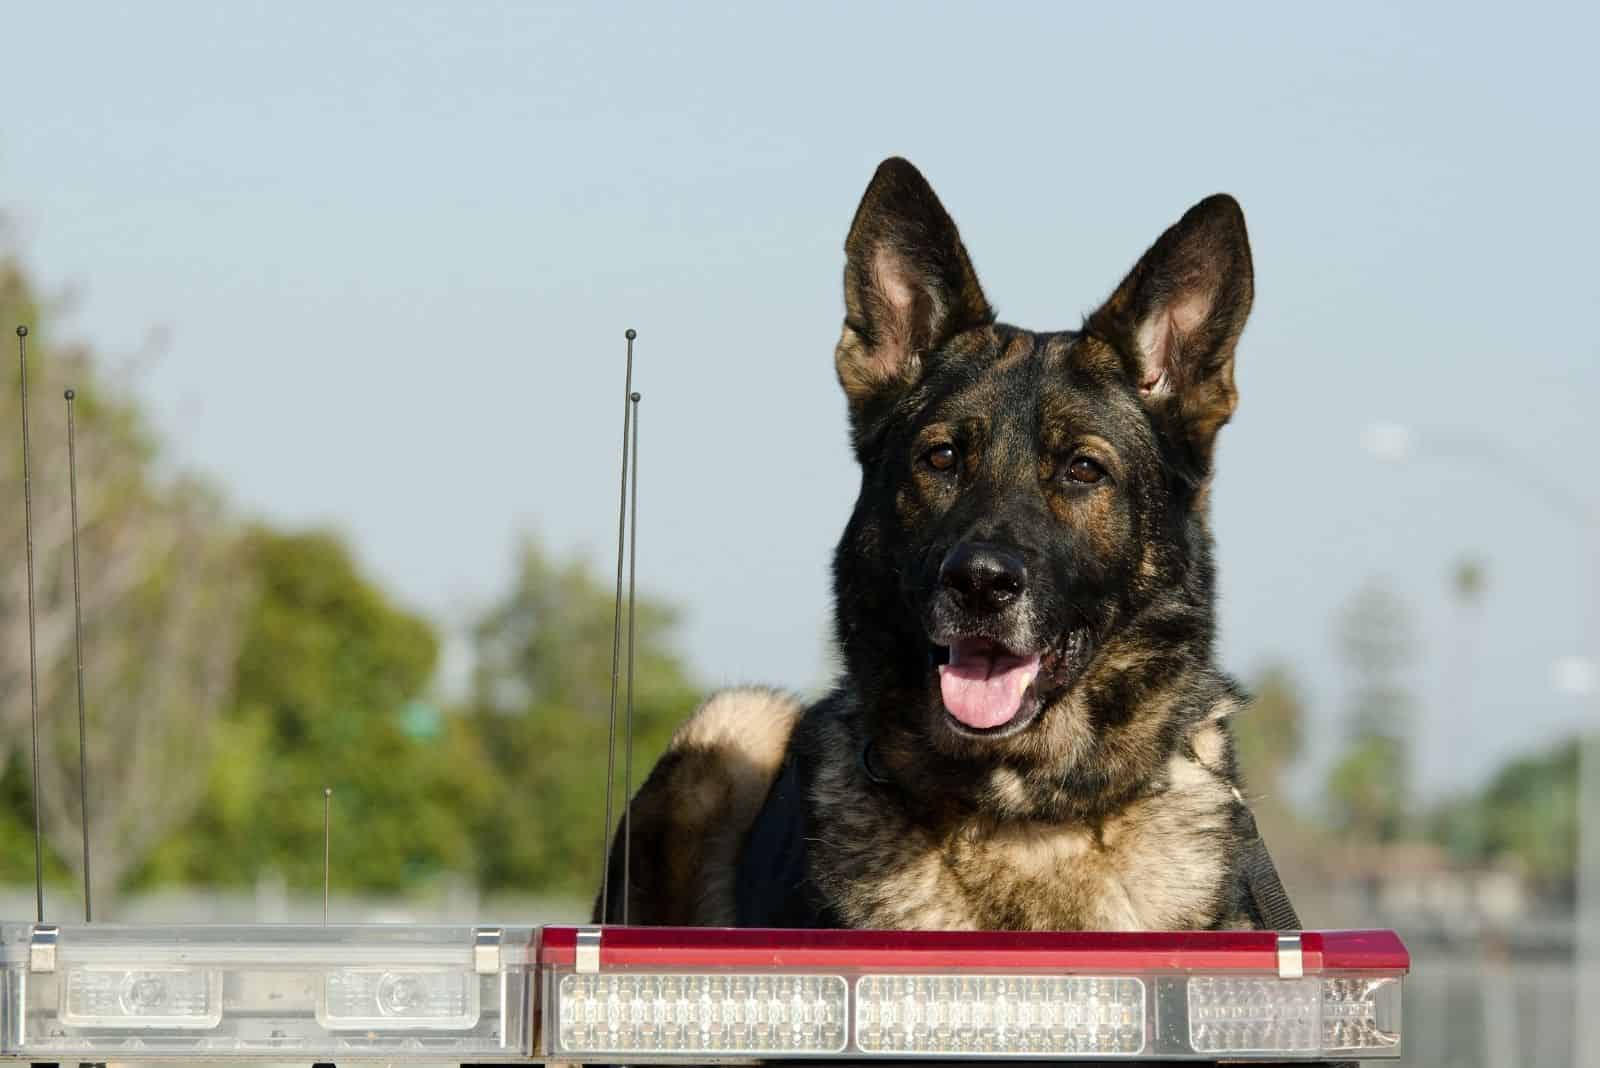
987,687
990,690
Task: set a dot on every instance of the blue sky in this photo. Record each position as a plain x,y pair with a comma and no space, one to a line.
393,249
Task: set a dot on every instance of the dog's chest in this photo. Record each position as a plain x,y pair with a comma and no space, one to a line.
1159,864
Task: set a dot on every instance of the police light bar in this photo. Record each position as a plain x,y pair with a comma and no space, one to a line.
393,993
100,992
677,994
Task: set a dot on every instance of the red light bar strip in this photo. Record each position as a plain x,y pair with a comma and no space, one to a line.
1123,951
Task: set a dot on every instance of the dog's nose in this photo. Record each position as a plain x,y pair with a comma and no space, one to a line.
986,577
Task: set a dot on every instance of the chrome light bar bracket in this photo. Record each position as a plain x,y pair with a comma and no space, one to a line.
486,950
586,960
1291,959
42,948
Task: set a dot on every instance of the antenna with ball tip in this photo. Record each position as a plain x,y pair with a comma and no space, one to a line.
33,656
616,635
77,610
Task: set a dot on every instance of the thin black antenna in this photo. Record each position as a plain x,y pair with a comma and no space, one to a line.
327,848
627,748
616,636
77,609
33,656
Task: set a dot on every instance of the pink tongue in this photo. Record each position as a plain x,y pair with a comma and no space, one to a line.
984,690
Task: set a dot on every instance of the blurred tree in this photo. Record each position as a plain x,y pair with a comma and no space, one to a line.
1469,579
232,675
160,604
1453,821
1530,812
1527,814
162,658
1269,732
330,691
116,451
541,703
1468,583
1367,786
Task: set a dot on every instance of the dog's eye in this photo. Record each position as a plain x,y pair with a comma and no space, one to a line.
940,457
1082,469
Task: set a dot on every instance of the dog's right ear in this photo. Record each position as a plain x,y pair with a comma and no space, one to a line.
908,286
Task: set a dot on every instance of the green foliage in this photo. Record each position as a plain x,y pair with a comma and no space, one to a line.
542,707
1528,813
16,829
1367,787
331,689
327,681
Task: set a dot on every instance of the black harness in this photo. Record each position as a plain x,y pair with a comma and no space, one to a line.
774,888
1267,895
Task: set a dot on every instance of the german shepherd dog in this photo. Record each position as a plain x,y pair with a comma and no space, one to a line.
1030,730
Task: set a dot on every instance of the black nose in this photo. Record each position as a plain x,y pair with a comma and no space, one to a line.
984,576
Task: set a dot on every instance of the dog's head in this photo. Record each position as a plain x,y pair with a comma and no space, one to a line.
1028,558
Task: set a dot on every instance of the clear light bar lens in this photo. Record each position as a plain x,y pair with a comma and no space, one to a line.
696,1014
180,998
399,999
1360,1014
999,1014
1270,1015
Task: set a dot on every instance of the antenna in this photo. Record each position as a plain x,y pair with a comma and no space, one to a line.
616,636
33,655
327,848
77,609
627,749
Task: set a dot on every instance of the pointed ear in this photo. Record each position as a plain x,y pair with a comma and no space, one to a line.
908,285
1177,317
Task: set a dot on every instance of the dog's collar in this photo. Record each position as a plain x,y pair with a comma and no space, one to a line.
873,773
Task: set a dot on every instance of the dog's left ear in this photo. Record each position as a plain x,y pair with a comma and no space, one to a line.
908,286
1177,317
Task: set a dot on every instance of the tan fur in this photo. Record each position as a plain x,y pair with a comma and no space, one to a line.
1153,865
1209,746
691,816
749,722
750,730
